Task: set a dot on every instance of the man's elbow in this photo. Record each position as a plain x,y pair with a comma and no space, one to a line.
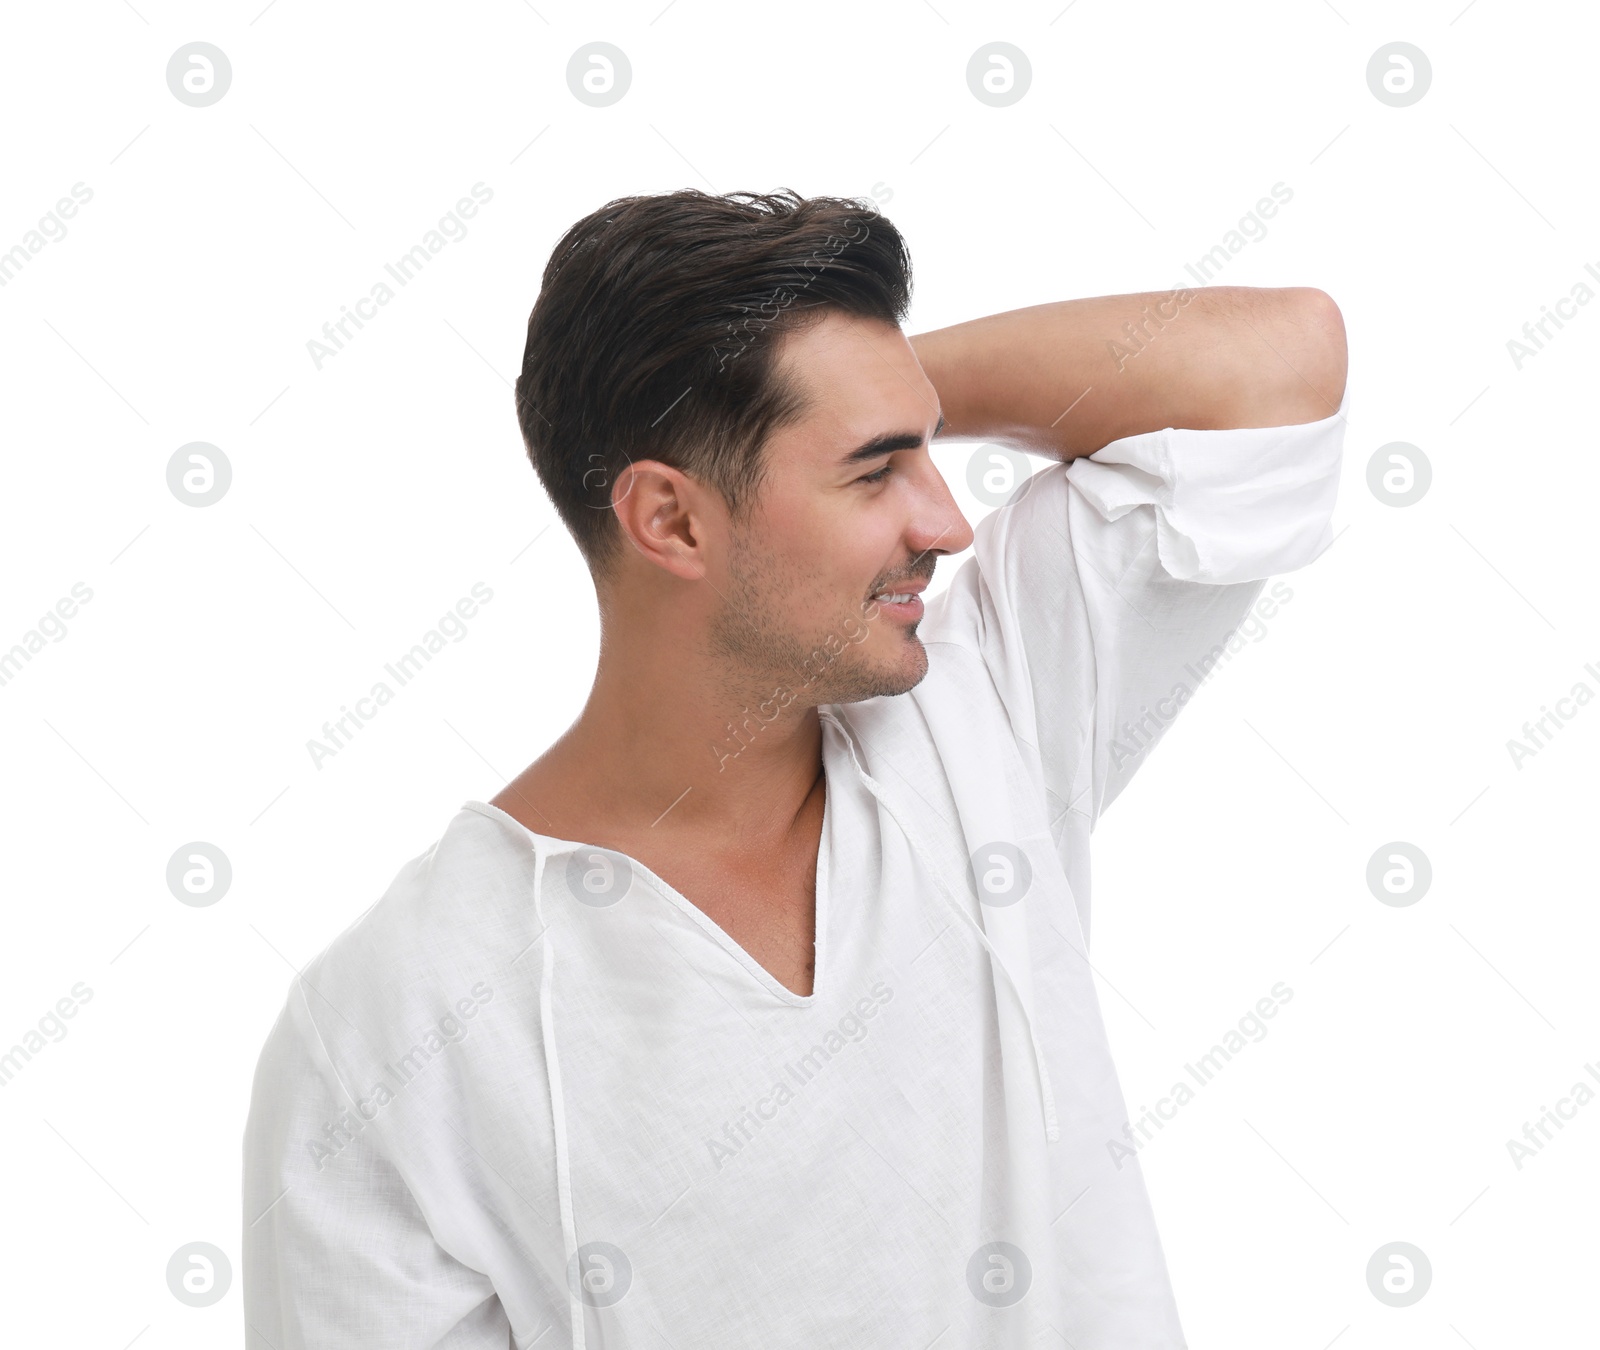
1313,356
1286,363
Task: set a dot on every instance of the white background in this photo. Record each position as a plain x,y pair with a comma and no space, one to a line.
368,496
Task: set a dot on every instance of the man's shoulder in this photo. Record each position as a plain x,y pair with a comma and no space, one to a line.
421,1001
453,915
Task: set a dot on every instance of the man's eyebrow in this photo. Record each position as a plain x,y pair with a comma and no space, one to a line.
883,445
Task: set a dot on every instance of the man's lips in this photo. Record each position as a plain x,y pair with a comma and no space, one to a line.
907,601
914,587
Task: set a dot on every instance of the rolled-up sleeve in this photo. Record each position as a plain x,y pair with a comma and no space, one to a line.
1097,594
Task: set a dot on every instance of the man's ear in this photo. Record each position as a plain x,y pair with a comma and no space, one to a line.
660,511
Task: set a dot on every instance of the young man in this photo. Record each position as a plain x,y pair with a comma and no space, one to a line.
757,1010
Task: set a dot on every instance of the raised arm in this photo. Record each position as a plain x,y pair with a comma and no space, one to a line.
1067,378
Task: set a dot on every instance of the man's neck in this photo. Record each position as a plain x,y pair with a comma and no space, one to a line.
684,756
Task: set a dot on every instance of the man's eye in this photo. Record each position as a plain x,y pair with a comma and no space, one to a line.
876,477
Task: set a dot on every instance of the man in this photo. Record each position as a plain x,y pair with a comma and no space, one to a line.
757,1010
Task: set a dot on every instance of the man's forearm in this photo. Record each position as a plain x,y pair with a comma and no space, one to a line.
1067,378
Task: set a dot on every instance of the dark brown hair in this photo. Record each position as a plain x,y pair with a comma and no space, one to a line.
655,329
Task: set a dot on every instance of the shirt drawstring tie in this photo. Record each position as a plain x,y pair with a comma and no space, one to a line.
558,1110
1052,1127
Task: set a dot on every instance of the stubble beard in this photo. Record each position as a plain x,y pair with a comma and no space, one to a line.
762,655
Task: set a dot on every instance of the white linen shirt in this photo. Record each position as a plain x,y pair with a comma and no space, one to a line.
533,1096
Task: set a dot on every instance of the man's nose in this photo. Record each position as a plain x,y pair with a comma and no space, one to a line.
940,527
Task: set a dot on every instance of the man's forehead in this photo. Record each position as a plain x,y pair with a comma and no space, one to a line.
861,378
845,342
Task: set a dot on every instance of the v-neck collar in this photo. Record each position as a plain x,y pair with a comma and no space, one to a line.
820,966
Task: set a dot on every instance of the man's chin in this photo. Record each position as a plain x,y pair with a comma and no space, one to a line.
881,678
